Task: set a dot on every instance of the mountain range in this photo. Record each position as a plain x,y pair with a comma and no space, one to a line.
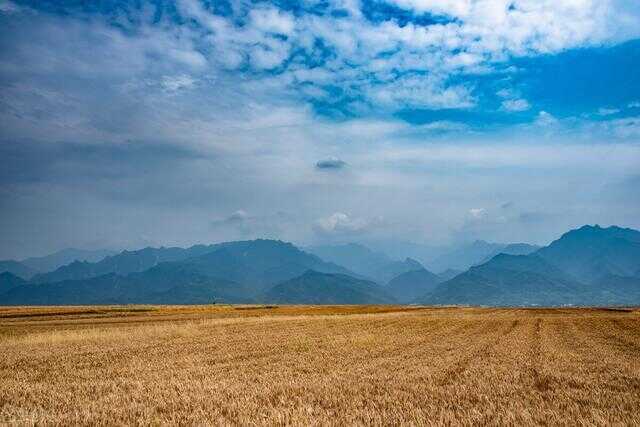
478,252
313,287
375,266
586,266
29,267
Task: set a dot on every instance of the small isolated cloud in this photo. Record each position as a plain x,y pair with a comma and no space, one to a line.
628,127
634,104
607,111
515,105
331,164
545,119
241,224
477,212
8,7
176,83
343,224
237,217
442,126
505,93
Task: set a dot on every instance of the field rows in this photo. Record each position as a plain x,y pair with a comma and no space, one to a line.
337,365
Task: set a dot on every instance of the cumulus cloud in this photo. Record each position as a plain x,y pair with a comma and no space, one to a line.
395,66
545,119
206,125
515,105
477,212
272,20
7,6
607,111
175,83
342,224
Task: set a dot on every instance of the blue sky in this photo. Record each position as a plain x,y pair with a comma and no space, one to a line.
126,123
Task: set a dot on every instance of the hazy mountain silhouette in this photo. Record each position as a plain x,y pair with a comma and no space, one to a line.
314,287
510,280
512,249
17,268
162,284
9,281
361,260
259,263
47,263
587,266
463,257
413,284
592,252
355,257
618,290
449,274
398,249
123,263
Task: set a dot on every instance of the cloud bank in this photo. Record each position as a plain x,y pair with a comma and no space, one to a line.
162,123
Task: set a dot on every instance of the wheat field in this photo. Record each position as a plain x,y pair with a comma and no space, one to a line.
252,365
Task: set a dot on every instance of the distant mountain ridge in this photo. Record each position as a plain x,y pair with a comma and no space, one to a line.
123,263
231,271
313,287
361,260
413,284
461,258
512,249
591,252
9,281
47,263
509,280
17,269
587,266
154,286
259,263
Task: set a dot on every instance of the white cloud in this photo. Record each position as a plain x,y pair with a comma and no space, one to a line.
272,20
419,60
7,6
628,127
506,93
267,57
454,8
175,83
246,138
524,26
342,223
545,119
422,92
634,104
515,105
607,111
442,125
477,212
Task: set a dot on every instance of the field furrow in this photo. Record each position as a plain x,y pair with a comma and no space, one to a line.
329,366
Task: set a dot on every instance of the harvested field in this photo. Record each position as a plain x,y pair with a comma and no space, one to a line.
318,365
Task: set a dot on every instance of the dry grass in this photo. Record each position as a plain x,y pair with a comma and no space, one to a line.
318,365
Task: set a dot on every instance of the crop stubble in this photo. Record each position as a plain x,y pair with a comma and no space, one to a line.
318,365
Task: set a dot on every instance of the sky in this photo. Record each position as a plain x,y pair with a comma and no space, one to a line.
125,124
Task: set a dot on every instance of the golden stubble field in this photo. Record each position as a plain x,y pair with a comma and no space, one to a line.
318,365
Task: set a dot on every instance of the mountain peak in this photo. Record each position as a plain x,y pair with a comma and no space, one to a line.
591,252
